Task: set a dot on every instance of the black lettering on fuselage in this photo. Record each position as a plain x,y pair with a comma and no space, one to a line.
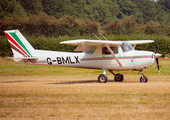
71,61
53,60
77,61
59,60
49,61
67,60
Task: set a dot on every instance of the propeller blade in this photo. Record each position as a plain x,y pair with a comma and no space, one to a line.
156,57
157,62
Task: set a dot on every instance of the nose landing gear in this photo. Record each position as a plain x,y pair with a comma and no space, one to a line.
143,78
117,77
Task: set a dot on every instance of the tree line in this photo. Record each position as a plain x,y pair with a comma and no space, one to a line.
102,11
75,18
83,17
72,26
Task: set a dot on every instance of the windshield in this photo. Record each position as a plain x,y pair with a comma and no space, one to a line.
126,47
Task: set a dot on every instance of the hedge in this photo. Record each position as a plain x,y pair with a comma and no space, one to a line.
162,43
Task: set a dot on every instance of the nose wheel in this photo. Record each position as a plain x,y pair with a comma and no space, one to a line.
143,78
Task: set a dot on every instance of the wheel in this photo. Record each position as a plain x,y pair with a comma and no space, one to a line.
102,78
143,79
119,77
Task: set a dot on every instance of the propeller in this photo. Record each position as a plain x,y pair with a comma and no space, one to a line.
156,57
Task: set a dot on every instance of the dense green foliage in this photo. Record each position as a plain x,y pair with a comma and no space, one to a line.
49,25
52,21
50,43
83,17
102,11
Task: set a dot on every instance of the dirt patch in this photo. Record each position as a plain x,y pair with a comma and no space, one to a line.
82,97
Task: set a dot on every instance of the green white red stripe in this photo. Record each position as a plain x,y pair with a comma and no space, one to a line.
119,57
17,45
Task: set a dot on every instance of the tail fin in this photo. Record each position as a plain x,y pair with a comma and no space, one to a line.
21,48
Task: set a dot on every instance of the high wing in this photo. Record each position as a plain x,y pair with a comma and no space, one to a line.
137,42
84,44
91,42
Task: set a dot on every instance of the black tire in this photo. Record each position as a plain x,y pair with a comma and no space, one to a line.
102,78
119,77
143,79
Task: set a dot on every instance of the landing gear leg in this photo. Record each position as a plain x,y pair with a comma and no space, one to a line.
102,77
143,78
118,77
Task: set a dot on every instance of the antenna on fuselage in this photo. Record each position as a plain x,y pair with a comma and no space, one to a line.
96,36
103,37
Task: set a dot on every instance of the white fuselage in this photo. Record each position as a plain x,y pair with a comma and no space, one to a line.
130,60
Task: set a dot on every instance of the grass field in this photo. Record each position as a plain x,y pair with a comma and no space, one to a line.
47,92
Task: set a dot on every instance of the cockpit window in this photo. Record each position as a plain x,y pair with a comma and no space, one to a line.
105,51
91,50
126,47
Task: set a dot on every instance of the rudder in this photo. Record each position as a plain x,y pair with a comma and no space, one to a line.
19,45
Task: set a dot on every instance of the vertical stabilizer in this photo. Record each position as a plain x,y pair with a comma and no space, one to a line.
20,46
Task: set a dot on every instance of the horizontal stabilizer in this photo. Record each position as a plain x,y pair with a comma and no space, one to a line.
27,58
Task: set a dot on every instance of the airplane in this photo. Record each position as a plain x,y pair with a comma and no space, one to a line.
94,54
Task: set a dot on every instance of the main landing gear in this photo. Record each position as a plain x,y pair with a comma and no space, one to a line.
117,77
102,78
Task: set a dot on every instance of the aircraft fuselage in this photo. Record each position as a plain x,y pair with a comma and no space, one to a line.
131,60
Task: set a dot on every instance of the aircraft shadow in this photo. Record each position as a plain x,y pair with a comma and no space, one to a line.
15,81
92,81
72,82
76,82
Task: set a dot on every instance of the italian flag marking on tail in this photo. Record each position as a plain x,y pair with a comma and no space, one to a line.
18,45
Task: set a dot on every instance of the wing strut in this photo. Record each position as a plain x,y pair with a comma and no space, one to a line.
114,56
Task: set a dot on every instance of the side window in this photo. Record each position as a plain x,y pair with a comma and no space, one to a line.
105,51
91,50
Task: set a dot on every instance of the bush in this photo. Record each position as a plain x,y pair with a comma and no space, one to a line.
162,43
5,49
49,25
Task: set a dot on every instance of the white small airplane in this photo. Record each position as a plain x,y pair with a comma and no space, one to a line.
97,54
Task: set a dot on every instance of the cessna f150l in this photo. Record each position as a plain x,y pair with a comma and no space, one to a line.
97,54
